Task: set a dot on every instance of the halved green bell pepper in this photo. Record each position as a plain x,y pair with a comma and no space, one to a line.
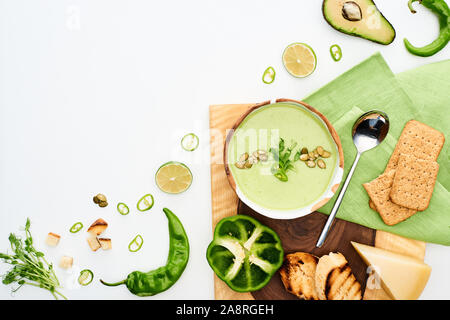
244,253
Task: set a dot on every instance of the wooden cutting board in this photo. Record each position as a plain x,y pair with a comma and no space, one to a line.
225,203
301,235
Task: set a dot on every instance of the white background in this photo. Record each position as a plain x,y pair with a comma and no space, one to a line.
95,96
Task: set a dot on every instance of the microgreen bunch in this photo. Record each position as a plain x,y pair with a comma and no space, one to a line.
29,266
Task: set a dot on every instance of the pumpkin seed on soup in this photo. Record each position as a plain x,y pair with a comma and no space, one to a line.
326,154
243,157
248,164
311,163
304,157
240,164
320,150
321,164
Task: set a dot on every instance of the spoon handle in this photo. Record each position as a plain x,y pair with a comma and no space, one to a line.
337,204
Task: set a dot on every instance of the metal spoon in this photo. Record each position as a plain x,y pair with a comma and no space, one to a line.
368,131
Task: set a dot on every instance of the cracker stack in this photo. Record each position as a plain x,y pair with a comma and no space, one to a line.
407,184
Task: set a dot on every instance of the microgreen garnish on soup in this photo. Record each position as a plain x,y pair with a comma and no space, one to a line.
282,156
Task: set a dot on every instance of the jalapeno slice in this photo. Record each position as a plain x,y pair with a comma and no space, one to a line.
123,208
145,203
336,52
244,253
269,75
136,244
76,227
189,142
86,277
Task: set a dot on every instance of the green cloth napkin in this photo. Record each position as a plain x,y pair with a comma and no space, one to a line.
372,85
429,89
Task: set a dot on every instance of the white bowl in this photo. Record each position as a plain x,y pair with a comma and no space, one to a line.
298,212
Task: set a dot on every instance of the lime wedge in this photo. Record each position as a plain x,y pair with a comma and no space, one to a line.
189,142
299,60
173,177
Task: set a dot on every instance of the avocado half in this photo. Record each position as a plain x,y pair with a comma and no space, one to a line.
360,18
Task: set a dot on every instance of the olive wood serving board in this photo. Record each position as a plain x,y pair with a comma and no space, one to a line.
298,234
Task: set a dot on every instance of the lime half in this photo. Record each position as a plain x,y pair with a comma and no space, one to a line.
189,142
299,60
173,177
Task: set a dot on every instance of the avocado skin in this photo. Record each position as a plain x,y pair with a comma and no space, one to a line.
357,34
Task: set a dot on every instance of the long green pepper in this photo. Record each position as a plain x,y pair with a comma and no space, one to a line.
441,9
156,281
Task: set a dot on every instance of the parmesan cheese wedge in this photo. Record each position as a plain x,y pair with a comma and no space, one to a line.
402,277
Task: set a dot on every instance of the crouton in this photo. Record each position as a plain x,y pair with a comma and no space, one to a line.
52,239
98,227
93,243
105,243
66,262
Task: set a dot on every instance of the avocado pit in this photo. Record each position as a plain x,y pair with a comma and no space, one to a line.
351,11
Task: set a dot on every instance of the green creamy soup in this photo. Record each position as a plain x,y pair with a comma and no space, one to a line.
261,130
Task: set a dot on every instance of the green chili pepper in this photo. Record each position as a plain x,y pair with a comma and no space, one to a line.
441,9
76,227
138,241
269,75
244,253
86,277
145,203
153,282
123,208
336,52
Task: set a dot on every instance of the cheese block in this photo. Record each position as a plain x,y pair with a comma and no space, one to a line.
402,277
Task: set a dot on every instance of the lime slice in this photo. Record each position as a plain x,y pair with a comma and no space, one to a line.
173,177
145,203
189,142
299,60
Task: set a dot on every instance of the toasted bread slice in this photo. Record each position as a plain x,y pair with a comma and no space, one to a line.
334,279
298,274
98,227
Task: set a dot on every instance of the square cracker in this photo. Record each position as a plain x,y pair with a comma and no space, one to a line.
417,139
414,181
379,190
